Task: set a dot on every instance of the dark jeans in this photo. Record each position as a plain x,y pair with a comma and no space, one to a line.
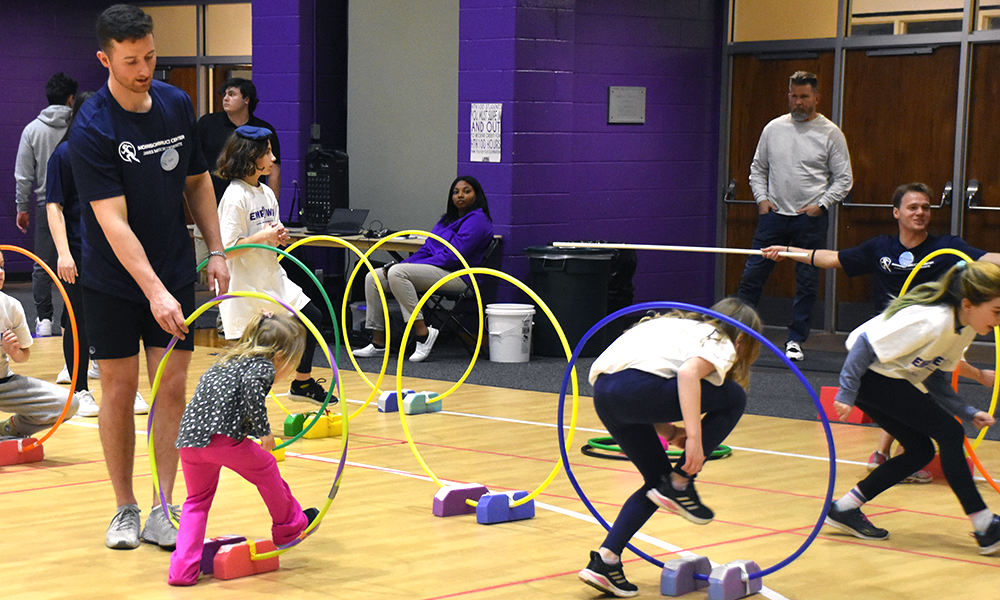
628,403
774,230
45,249
75,293
914,419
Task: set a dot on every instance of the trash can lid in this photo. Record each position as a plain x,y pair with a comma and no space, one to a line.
559,252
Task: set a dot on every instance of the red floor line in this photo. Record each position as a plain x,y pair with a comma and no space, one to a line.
66,485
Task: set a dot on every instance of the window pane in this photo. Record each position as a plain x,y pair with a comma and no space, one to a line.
888,17
764,20
228,30
174,29
989,15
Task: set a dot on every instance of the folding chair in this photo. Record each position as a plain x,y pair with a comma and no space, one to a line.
446,308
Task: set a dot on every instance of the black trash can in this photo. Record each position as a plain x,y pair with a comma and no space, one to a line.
573,282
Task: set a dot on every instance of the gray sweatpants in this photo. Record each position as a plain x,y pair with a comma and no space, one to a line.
407,282
36,404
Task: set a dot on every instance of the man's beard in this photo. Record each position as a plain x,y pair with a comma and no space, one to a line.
800,115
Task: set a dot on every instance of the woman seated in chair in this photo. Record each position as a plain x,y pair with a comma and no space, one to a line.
468,227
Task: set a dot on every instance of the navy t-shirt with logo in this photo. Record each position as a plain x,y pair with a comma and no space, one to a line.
890,262
147,158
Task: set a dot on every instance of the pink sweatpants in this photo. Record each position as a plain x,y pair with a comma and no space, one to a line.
201,468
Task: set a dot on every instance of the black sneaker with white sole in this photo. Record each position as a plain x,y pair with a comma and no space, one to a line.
989,542
310,390
855,523
683,502
610,579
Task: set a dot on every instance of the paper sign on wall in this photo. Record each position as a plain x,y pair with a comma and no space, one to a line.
485,132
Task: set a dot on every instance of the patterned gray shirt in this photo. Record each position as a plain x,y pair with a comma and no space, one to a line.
229,400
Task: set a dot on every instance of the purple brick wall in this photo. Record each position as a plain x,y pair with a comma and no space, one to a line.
565,174
37,40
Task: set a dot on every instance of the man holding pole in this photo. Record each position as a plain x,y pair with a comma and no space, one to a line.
800,169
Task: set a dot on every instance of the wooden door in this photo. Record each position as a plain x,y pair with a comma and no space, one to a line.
981,224
899,120
759,94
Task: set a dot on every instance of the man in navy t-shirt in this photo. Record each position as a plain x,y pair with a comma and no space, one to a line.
890,260
136,158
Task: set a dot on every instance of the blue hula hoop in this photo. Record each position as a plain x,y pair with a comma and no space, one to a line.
701,310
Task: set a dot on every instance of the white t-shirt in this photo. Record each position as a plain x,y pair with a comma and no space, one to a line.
660,346
12,317
915,342
243,211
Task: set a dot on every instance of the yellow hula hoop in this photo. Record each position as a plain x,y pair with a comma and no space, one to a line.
562,338
163,362
363,259
996,335
416,310
76,342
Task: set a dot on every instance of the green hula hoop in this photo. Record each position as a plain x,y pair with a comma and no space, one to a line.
607,443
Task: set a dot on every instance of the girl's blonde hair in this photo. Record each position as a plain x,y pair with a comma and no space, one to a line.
748,347
280,338
978,282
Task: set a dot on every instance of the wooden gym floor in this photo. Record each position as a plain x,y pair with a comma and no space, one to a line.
380,540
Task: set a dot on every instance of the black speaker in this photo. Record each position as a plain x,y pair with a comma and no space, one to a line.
327,187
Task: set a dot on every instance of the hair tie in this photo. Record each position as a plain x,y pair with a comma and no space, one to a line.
266,314
961,265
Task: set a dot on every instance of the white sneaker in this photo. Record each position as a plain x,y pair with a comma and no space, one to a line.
794,352
140,407
87,406
94,372
424,349
43,327
368,351
63,376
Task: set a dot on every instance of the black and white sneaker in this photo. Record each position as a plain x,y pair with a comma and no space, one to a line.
989,542
310,390
857,524
684,502
794,352
610,579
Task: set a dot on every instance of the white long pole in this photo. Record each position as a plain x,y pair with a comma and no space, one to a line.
673,248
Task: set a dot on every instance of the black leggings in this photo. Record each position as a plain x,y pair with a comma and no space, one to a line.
312,313
629,403
914,419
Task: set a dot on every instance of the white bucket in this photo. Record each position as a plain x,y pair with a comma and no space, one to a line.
509,327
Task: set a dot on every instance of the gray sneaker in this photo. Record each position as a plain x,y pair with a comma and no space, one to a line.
159,530
123,532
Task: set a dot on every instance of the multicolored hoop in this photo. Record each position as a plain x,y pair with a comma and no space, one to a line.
779,353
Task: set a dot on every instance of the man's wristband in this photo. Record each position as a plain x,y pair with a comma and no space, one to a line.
218,253
812,259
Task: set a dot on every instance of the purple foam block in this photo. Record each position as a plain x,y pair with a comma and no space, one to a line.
212,547
677,577
731,580
451,500
495,508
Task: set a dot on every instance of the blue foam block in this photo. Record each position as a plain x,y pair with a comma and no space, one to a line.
388,402
730,581
495,508
677,577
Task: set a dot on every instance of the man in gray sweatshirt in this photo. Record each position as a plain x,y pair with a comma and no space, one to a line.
38,140
800,169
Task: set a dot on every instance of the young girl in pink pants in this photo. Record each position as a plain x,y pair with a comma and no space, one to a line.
227,407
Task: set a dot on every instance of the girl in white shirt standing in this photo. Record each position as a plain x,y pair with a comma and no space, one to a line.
248,214
898,370
673,367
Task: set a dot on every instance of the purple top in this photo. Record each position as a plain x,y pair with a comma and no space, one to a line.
470,235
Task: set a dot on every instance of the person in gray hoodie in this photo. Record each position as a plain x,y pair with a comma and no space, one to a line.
38,140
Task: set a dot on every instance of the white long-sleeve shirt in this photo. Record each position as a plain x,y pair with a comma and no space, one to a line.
801,163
